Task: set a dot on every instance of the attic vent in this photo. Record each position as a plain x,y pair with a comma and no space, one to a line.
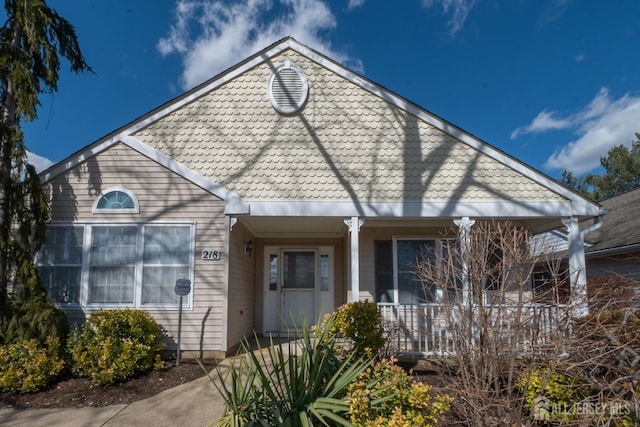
288,88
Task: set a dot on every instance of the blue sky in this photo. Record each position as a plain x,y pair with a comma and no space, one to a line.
554,83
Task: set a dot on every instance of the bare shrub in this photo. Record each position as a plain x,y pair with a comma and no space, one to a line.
493,319
610,292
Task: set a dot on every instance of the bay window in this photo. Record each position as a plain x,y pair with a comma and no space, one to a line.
116,265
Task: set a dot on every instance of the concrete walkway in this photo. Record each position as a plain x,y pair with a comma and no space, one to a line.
196,403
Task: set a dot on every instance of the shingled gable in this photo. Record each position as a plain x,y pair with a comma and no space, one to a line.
355,149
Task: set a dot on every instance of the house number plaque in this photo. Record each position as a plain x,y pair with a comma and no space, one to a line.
210,255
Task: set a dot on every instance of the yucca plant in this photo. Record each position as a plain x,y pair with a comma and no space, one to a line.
298,384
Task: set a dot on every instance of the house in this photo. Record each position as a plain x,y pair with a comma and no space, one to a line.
614,248
281,188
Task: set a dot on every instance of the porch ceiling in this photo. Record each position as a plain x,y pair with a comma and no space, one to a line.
271,226
278,226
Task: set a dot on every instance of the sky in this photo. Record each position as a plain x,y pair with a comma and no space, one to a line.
554,83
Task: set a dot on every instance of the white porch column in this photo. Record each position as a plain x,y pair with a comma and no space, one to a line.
464,226
354,223
577,267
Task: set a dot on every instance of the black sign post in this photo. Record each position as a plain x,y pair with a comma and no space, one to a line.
183,287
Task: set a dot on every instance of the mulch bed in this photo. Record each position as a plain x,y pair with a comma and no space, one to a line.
79,392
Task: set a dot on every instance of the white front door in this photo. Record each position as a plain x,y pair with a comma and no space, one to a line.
298,287
298,291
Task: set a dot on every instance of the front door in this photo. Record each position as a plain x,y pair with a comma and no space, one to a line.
298,287
298,291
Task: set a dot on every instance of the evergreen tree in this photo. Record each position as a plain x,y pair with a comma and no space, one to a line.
33,40
622,174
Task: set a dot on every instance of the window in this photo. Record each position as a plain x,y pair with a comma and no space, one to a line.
395,269
132,265
166,259
116,200
59,263
112,265
408,253
549,287
299,270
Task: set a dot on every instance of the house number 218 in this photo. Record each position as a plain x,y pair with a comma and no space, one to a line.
210,255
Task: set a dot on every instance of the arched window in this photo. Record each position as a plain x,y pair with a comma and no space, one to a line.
116,200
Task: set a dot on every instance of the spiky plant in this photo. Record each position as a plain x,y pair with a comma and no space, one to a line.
299,384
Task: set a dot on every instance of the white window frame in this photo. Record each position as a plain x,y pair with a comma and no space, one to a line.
139,263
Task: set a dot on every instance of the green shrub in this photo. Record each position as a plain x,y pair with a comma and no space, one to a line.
560,388
117,344
360,322
385,395
22,320
28,366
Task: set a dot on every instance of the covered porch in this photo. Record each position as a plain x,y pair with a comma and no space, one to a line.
360,258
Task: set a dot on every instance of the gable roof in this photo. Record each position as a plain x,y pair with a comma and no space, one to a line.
142,135
620,230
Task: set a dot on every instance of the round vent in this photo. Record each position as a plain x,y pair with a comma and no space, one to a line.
288,88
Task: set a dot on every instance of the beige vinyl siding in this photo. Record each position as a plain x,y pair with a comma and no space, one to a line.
162,196
240,319
347,144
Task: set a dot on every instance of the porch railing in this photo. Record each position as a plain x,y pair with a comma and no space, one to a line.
439,329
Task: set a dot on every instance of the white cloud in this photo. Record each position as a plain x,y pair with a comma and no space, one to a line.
211,35
355,3
601,125
458,9
542,122
39,162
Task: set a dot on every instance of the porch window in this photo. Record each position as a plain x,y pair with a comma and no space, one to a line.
132,265
395,269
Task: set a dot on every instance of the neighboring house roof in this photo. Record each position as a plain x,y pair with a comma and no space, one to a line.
620,230
355,149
